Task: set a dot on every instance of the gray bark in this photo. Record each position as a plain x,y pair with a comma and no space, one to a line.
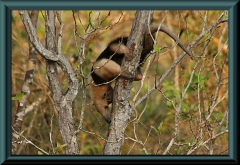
121,111
20,113
63,102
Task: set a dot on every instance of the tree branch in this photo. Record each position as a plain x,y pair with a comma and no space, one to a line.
20,113
63,102
171,67
33,37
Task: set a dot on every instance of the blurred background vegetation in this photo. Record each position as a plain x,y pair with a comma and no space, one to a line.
157,123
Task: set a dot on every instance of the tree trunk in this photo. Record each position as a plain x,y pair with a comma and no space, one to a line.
63,105
63,102
121,111
20,113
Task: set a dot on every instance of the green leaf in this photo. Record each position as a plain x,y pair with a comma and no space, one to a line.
21,133
157,49
176,93
59,148
206,34
40,153
191,88
190,142
187,75
200,142
168,103
133,90
160,127
18,96
185,108
195,78
154,128
225,17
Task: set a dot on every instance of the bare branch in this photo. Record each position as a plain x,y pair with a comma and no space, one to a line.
28,142
21,109
60,33
205,142
34,39
218,82
168,71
